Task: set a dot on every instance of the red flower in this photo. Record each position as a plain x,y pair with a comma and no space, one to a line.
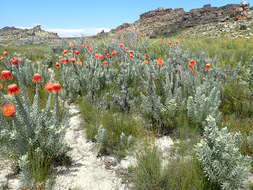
121,45
101,57
146,55
57,65
131,52
192,63
56,88
114,53
62,60
126,48
76,52
73,60
5,53
6,75
108,55
194,71
96,55
90,50
37,77
159,62
131,56
1,58
208,66
83,46
177,42
13,89
9,110
65,52
105,63
49,86
1,86
15,61
105,50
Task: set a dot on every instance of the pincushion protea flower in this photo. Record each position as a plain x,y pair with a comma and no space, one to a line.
56,88
37,78
15,61
65,52
114,53
80,63
159,62
73,60
105,63
9,110
76,52
208,66
49,86
145,62
6,75
57,65
5,53
13,89
192,63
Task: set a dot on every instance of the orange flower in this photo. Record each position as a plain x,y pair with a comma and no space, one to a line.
13,89
71,45
57,65
105,63
15,61
73,60
96,55
65,52
6,75
76,52
114,53
145,62
49,86
5,53
9,110
208,66
37,78
56,88
1,58
160,62
1,86
146,55
80,63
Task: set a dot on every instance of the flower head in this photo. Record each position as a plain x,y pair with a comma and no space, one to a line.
15,61
13,89
146,55
37,78
73,60
192,63
57,65
1,86
6,75
121,45
114,52
56,88
1,58
208,66
9,110
71,45
145,62
65,51
49,86
76,52
90,50
5,53
80,63
105,63
159,62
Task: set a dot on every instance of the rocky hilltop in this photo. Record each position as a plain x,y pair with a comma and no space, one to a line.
33,35
166,22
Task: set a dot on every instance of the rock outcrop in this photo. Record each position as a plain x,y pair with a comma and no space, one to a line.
165,22
33,35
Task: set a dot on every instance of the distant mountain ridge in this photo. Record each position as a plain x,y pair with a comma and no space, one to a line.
35,34
166,22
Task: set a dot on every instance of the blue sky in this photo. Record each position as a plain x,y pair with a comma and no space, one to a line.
77,17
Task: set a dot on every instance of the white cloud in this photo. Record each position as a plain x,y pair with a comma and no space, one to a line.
71,32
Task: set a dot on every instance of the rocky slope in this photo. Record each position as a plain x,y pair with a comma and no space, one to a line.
34,35
166,22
